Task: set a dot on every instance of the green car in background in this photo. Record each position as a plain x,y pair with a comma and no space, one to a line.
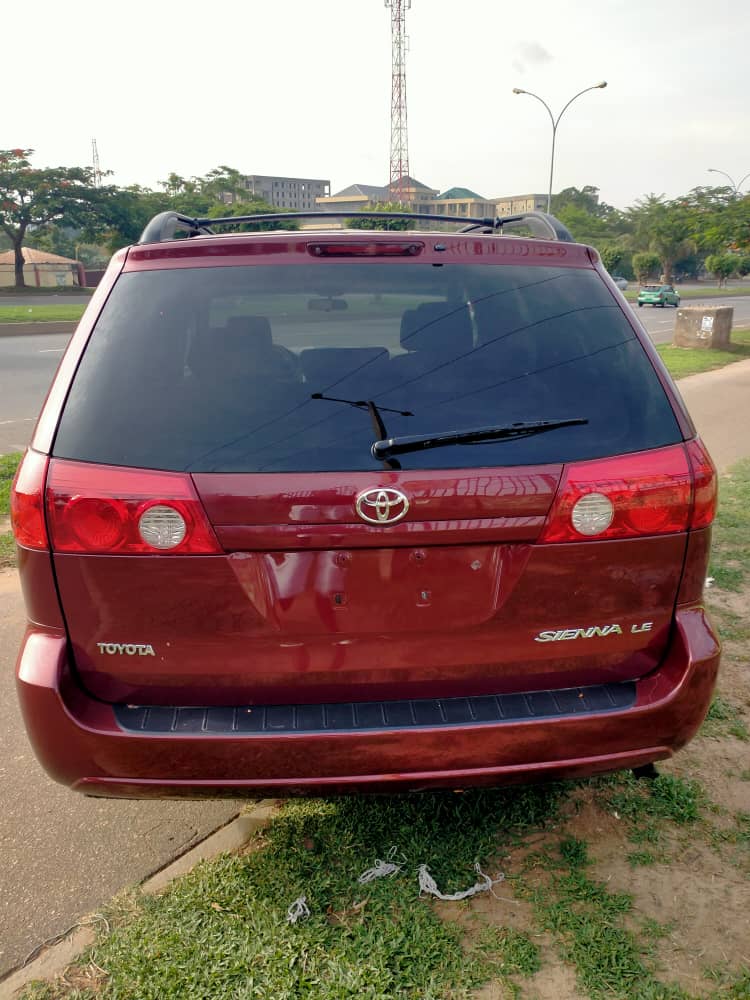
658,295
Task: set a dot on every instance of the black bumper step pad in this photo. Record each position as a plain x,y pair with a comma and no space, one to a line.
347,717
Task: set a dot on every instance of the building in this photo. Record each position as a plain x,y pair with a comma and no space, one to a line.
358,197
455,202
519,203
294,193
41,269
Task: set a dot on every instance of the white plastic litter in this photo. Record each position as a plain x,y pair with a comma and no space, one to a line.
427,884
381,869
299,910
710,581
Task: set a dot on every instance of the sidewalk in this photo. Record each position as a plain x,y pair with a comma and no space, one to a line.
719,403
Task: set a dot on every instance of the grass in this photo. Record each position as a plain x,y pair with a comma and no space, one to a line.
684,361
57,313
730,554
8,466
724,719
221,931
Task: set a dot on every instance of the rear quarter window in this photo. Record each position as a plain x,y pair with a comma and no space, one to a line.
223,369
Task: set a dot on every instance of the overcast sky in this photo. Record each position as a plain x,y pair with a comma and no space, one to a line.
302,88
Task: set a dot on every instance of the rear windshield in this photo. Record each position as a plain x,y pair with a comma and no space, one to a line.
222,369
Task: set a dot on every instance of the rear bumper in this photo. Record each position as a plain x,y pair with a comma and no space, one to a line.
80,743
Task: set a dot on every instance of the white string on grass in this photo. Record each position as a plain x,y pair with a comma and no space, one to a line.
299,910
427,884
381,869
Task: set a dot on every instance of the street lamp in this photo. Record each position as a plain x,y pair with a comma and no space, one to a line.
555,123
735,187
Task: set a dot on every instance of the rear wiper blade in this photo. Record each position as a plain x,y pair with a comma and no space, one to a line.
478,435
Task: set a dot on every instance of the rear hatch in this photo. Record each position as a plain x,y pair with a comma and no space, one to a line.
243,384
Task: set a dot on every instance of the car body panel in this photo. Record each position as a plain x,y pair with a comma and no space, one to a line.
307,603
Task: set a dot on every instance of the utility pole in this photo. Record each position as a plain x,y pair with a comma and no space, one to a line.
399,137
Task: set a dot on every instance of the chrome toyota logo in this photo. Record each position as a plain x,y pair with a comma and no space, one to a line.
382,505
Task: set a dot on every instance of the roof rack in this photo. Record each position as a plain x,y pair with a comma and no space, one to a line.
543,226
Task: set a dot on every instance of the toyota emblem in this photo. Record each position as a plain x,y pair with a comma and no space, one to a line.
382,505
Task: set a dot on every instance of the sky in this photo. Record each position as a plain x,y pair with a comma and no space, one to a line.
302,88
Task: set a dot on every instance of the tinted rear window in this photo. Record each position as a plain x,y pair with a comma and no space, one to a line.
215,369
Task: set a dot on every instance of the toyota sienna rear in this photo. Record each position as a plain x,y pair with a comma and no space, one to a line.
349,510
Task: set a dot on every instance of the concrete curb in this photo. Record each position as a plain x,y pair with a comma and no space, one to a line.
36,329
57,957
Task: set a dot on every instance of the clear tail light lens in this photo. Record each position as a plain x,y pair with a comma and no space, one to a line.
106,509
649,493
27,503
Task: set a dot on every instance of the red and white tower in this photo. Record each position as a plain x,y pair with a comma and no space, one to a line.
399,136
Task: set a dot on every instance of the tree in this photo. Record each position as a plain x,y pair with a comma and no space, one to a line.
369,218
33,198
722,266
662,227
611,257
646,265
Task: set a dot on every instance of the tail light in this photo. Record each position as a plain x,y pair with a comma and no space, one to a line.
27,503
651,493
106,509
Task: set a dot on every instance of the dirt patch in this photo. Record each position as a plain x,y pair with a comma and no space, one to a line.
702,900
9,582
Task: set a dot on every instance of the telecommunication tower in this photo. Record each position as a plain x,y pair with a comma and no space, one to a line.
399,137
96,164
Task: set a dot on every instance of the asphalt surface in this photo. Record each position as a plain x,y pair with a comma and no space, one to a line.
28,363
64,855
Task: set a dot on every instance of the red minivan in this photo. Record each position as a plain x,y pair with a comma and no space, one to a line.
329,510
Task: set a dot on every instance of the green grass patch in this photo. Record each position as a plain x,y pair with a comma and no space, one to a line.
724,719
222,931
8,466
587,921
43,313
684,361
730,553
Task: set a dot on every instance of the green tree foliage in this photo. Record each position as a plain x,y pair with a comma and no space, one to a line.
369,218
253,206
33,197
611,257
589,220
722,266
646,265
662,227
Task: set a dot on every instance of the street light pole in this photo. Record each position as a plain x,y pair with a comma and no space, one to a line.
555,123
736,187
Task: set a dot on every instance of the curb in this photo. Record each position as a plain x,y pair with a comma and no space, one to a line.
57,957
36,329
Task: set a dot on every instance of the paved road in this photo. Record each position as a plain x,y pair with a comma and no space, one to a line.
27,365
660,322
65,855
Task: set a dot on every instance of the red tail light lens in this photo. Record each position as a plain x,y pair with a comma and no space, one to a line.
103,509
26,502
706,491
650,494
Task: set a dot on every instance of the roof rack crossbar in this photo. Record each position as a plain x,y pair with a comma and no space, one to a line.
163,226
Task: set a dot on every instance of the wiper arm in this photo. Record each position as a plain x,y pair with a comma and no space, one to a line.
441,439
375,417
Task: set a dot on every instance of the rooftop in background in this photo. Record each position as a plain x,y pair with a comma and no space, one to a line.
33,256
